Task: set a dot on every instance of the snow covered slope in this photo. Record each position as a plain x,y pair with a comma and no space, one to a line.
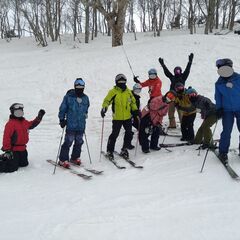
169,199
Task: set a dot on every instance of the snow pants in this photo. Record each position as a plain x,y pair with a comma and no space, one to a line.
187,127
171,113
204,133
116,127
227,123
20,159
70,137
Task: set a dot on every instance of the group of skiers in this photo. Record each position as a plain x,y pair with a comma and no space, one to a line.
126,112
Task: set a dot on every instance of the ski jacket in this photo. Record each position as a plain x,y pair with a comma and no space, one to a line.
157,110
205,105
155,86
177,79
16,136
227,93
122,101
183,103
74,109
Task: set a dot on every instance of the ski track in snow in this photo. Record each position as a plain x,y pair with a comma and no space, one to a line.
169,199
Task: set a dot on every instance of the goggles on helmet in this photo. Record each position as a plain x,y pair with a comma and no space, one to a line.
193,94
224,62
79,83
17,106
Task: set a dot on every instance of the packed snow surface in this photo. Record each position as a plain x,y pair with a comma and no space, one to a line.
169,199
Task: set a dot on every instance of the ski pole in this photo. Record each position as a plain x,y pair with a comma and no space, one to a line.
60,143
127,58
208,148
164,141
90,160
101,144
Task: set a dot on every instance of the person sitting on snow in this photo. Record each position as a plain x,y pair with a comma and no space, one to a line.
16,137
154,83
123,108
151,121
73,113
177,77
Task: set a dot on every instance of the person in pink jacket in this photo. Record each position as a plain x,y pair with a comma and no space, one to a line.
151,121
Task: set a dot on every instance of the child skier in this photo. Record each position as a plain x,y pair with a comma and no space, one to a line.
16,137
123,107
151,121
208,114
154,83
177,77
72,114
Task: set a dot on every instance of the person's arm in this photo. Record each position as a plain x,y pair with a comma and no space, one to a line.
188,67
165,69
7,135
109,98
63,109
218,98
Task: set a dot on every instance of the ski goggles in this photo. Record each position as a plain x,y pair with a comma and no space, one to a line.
121,81
79,83
152,76
179,88
120,77
192,94
18,106
170,97
224,62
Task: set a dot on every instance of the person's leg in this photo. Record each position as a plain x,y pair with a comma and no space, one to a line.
23,158
190,129
171,111
227,123
207,132
128,136
13,163
64,153
155,138
199,136
184,125
77,147
116,126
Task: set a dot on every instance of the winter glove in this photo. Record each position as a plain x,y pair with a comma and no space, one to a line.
190,57
8,154
103,112
219,113
135,79
161,61
41,114
63,123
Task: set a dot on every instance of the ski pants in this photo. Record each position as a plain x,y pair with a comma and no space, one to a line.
116,127
187,126
204,133
70,136
227,123
20,159
171,113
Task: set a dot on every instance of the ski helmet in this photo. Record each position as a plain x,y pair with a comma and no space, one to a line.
16,110
177,71
191,92
224,62
120,78
169,96
79,83
137,88
179,87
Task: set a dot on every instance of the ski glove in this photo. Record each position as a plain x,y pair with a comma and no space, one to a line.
41,114
8,154
190,57
161,61
135,79
103,112
63,123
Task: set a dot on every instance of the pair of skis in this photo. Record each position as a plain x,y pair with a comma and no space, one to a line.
76,173
133,164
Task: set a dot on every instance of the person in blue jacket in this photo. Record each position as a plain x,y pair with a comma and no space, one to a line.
73,114
227,96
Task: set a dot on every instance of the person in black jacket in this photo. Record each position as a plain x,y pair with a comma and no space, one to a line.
177,77
209,115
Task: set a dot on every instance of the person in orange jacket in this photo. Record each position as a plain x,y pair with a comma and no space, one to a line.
154,83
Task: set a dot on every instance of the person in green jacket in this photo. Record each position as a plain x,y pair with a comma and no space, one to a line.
123,107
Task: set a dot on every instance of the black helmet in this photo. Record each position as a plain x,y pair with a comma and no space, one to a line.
14,109
224,62
177,71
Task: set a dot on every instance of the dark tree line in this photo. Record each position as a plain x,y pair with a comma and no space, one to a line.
47,20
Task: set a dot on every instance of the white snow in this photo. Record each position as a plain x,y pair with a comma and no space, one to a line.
169,199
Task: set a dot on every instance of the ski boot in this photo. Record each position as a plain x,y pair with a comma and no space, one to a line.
155,148
64,164
223,158
130,147
110,156
76,161
124,153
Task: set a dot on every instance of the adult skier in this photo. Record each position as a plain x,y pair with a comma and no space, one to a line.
123,108
227,89
176,77
208,113
16,137
154,83
73,113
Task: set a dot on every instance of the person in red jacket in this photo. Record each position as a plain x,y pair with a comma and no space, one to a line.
154,83
15,138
